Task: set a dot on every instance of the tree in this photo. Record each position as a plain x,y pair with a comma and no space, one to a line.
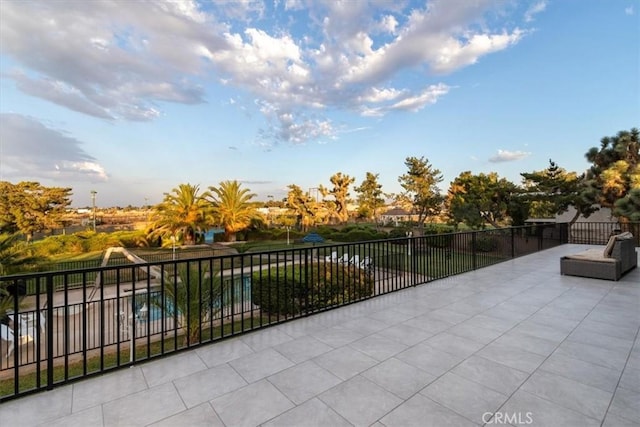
340,193
554,190
421,191
232,208
370,197
193,296
182,214
305,208
629,206
477,199
615,171
15,257
29,207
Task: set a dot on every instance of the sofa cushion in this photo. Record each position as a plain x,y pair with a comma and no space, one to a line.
624,236
609,248
592,255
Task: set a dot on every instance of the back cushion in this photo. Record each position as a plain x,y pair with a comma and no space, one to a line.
609,248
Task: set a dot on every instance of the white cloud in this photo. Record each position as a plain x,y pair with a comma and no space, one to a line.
508,156
31,149
534,9
629,10
122,61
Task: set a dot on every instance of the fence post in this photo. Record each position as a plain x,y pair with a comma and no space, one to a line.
49,331
306,281
513,243
473,249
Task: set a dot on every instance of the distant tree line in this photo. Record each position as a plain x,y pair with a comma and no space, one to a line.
477,200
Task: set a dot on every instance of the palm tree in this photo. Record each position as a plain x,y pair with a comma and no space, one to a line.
231,208
182,214
192,297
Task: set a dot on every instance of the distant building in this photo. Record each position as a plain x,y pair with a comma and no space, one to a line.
397,215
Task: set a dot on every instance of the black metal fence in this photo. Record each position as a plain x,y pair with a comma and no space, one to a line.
60,326
598,233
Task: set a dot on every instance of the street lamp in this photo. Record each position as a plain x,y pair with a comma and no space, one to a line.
409,236
93,203
288,228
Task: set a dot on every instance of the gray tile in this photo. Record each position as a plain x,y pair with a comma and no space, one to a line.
626,404
600,340
345,362
398,377
489,322
465,397
256,366
618,331
612,420
207,385
496,376
597,355
429,325
584,372
337,336
406,334
365,325
390,316
312,413
453,344
107,387
533,410
202,415
263,339
378,346
429,359
475,333
360,401
303,348
222,352
304,381
511,356
171,368
450,316
420,411
87,417
546,332
528,343
590,401
630,379
262,398
50,406
144,407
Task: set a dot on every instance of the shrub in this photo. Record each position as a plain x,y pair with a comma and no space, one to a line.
285,291
485,243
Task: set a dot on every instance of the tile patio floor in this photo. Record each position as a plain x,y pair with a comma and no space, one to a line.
517,339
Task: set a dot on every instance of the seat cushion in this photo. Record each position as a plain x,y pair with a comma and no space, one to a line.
591,255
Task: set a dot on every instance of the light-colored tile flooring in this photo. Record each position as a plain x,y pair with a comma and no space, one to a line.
517,340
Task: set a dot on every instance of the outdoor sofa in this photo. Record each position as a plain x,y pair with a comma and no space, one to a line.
617,258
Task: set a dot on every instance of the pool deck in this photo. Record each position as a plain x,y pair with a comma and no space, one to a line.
516,341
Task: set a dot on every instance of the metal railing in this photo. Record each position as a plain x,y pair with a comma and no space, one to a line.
58,333
598,233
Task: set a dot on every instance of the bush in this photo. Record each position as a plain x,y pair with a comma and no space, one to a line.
284,290
485,244
83,242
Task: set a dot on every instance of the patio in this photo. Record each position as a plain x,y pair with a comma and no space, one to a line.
516,339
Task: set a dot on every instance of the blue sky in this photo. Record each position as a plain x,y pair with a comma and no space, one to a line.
132,98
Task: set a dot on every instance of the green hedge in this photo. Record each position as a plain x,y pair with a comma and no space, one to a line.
485,243
285,291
